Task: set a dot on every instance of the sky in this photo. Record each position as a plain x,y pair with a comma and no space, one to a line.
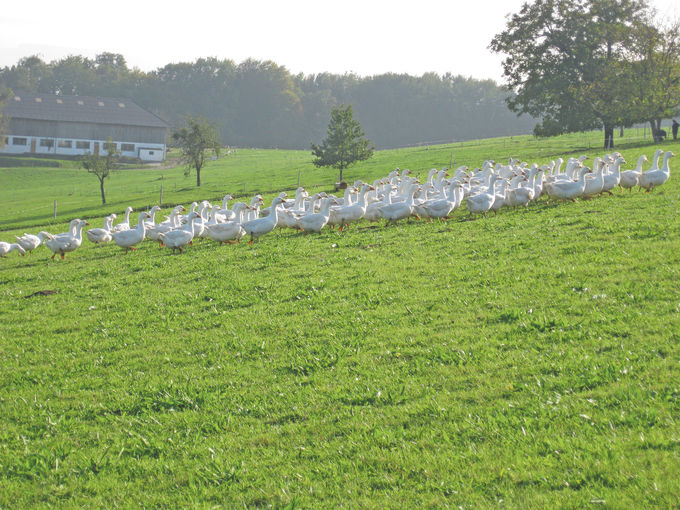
366,37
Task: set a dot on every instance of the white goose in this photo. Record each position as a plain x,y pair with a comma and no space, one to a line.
152,216
400,210
333,219
595,184
314,222
180,237
482,202
65,243
192,208
443,207
253,211
613,178
568,190
352,213
654,178
521,195
102,235
630,178
127,239
373,209
229,231
501,197
224,214
260,226
6,248
125,224
172,222
30,242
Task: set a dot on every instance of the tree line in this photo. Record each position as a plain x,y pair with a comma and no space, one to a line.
261,104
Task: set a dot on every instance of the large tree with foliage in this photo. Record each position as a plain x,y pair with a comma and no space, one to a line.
657,91
572,63
101,166
345,143
196,140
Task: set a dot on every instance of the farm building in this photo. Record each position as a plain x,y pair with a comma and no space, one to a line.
75,125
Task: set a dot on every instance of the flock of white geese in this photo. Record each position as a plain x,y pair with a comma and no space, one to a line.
393,198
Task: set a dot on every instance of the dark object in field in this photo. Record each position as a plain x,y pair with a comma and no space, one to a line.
340,185
675,129
660,135
42,293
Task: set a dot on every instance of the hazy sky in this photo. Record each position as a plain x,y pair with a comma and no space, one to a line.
310,36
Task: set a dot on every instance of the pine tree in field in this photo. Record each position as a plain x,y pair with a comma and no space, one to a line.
345,143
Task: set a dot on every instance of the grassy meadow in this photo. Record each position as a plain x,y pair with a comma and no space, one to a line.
526,360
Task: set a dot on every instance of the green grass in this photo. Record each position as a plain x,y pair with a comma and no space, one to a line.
530,359
27,195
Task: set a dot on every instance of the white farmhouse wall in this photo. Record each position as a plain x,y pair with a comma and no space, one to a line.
60,147
151,154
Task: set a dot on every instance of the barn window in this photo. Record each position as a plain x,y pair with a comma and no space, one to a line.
121,105
101,103
59,101
38,99
19,141
127,147
17,98
81,144
80,102
65,144
46,142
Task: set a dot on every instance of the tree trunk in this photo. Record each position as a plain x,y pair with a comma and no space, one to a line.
198,177
101,187
608,136
656,128
340,175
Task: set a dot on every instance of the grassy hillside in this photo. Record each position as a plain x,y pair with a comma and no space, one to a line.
28,194
530,359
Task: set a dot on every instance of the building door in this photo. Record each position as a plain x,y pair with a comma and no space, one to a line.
32,145
96,148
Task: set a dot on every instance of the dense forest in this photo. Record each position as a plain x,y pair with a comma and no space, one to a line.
261,104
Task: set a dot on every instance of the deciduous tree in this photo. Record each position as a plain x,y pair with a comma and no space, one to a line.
572,62
658,87
101,166
195,140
